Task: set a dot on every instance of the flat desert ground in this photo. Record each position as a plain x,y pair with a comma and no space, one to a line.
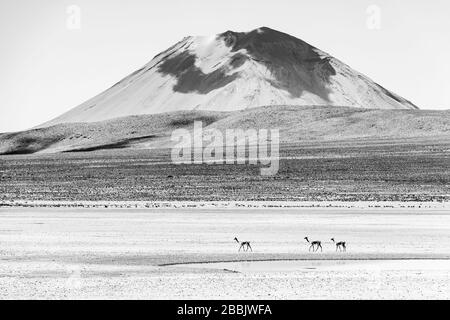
392,253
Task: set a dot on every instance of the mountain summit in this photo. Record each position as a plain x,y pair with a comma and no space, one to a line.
234,71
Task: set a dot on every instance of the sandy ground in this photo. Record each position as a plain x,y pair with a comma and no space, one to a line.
400,253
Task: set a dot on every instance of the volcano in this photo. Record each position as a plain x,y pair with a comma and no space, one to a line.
258,79
235,71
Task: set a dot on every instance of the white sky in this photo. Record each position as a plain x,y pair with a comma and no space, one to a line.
46,68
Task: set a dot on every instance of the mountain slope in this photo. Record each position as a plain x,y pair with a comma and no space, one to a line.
235,71
297,124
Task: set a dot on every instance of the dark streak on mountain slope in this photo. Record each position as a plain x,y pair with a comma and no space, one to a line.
293,62
190,78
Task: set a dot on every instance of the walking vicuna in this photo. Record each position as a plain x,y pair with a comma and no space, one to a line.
245,245
314,244
340,245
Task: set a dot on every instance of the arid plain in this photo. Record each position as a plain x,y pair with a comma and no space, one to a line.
103,224
392,253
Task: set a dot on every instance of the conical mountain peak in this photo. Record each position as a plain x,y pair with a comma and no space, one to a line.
234,71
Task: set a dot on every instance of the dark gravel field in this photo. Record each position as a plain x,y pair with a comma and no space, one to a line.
372,170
